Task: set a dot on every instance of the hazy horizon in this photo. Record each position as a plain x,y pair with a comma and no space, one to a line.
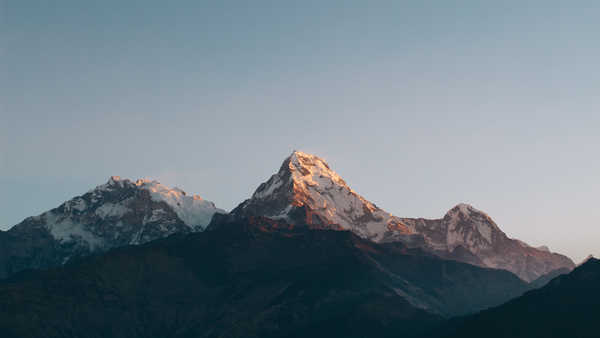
417,106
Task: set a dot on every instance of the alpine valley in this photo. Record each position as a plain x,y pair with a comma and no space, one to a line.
304,256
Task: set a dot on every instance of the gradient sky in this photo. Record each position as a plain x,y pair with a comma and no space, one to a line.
419,105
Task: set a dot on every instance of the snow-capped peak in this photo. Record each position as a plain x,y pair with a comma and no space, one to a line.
312,170
543,248
121,211
307,181
465,209
192,210
306,190
117,213
469,227
112,183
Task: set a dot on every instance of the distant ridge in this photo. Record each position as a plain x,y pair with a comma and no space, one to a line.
566,307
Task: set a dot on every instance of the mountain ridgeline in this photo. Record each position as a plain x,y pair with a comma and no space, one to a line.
304,256
254,277
306,189
567,306
117,213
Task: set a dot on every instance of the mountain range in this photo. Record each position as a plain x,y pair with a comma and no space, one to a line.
305,189
305,255
252,277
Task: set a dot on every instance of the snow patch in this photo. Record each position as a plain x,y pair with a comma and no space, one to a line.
111,210
64,229
485,230
157,215
277,182
192,210
465,208
114,182
77,203
321,189
543,248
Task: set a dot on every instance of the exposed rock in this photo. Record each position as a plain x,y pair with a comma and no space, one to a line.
306,189
117,213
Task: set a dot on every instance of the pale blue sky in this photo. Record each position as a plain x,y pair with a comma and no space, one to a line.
419,105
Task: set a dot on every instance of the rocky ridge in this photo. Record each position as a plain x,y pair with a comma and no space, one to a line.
306,189
118,213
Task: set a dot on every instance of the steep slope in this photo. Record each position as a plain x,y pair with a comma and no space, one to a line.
120,212
306,189
586,260
250,278
545,279
568,306
465,227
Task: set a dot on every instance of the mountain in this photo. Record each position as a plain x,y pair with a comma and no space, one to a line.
306,189
545,279
586,260
465,227
566,307
252,277
117,213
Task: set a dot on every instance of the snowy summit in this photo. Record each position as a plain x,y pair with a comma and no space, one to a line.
306,190
120,212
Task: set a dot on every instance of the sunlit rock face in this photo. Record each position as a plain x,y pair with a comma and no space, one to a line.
470,235
118,213
306,190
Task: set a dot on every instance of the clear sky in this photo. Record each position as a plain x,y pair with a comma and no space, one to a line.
419,105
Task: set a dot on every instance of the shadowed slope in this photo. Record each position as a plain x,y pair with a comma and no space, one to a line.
568,306
307,190
117,213
250,278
